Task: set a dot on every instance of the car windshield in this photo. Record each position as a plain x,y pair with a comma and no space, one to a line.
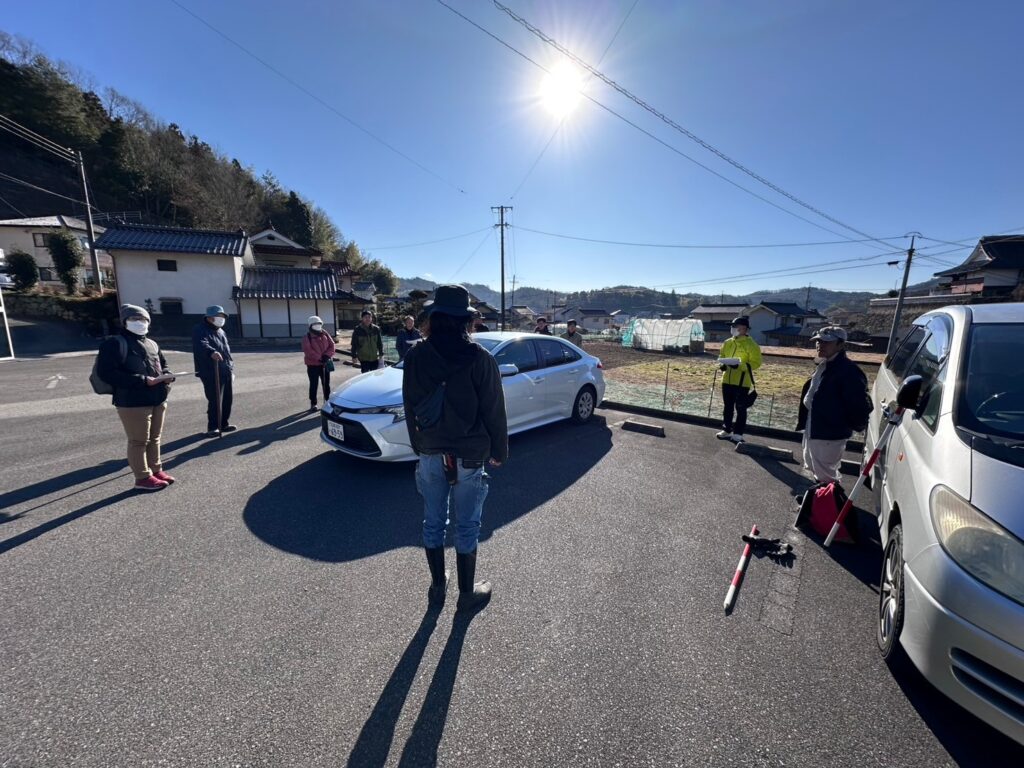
992,400
488,344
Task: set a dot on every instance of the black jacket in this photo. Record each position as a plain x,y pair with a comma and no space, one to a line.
403,342
473,424
207,339
128,378
842,403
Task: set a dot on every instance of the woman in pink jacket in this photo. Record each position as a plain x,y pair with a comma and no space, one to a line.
317,350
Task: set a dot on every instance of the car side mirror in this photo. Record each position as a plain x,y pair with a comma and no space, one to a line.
909,396
508,369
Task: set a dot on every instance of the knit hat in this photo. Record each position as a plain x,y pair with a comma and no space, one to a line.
312,319
130,310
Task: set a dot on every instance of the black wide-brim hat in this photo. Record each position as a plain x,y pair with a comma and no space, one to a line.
450,300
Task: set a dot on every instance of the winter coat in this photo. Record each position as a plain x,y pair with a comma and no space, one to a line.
574,338
746,349
473,425
128,378
316,346
367,343
841,405
207,339
403,343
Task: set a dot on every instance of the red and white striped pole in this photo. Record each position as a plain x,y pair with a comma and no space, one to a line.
865,471
730,596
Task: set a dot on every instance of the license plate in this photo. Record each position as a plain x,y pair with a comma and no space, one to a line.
336,430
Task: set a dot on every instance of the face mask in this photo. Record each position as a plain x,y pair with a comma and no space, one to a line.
734,332
138,327
219,322
317,327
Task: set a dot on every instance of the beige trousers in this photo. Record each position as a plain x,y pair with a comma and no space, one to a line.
823,458
143,427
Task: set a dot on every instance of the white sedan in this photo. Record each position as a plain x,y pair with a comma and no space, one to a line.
545,379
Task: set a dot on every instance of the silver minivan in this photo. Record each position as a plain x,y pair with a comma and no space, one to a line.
949,494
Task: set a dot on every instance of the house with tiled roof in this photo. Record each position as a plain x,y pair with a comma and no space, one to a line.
717,318
177,272
994,270
272,249
773,321
30,236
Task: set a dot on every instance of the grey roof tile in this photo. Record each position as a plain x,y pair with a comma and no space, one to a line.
143,237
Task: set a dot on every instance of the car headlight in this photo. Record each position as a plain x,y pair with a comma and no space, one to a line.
398,411
984,549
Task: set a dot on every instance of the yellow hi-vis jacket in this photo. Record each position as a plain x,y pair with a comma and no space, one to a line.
746,349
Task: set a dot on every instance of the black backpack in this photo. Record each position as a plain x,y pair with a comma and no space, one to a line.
101,387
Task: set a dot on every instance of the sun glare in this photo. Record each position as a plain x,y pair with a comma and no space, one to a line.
561,89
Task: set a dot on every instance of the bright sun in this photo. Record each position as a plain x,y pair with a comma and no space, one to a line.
561,89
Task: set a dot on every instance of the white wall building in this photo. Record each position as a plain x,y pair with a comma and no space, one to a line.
30,235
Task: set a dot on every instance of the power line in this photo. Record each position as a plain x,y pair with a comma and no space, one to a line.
668,121
10,205
697,246
733,278
317,99
40,189
428,242
34,138
562,121
647,133
490,232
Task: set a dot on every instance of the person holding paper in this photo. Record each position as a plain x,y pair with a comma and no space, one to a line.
135,367
739,358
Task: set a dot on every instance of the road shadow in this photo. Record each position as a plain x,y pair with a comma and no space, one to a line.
374,741
968,740
33,533
427,731
336,508
249,440
863,559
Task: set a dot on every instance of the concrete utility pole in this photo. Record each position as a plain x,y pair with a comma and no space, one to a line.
807,301
899,300
88,226
501,223
513,290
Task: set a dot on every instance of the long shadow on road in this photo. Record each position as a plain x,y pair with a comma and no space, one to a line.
335,508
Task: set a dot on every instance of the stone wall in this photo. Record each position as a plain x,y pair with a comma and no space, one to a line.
91,311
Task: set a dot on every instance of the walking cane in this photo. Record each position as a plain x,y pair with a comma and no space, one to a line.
216,386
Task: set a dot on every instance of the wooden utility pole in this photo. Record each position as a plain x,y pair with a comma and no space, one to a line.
501,223
899,301
88,226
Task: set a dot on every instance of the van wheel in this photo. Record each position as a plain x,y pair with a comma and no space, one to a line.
890,600
584,406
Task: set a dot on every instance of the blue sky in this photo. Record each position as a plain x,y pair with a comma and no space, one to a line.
889,117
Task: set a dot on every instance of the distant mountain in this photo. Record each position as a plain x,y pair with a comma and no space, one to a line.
637,299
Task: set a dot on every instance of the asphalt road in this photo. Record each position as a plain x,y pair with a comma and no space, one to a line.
269,608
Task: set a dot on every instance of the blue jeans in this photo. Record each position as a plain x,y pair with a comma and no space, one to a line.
467,497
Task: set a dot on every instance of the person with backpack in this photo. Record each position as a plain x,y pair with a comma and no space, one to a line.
367,343
455,414
214,365
136,374
834,404
317,350
740,357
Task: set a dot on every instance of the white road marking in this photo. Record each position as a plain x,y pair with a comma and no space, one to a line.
54,380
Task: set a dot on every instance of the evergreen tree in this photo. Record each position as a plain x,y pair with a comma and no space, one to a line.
66,252
22,269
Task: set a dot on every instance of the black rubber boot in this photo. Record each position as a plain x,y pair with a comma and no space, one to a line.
438,577
472,595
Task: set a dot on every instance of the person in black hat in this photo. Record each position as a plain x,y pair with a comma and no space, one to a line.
740,357
455,414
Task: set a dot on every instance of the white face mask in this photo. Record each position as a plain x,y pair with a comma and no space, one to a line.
734,332
219,322
138,327
317,326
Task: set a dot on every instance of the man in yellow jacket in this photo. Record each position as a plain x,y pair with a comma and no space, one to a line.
740,357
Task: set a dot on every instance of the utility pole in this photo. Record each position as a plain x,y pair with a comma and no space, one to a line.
807,301
88,227
501,223
513,290
899,300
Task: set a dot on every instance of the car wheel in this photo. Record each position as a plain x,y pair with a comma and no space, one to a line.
584,406
890,600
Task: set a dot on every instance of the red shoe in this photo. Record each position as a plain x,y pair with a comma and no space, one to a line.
161,475
151,483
